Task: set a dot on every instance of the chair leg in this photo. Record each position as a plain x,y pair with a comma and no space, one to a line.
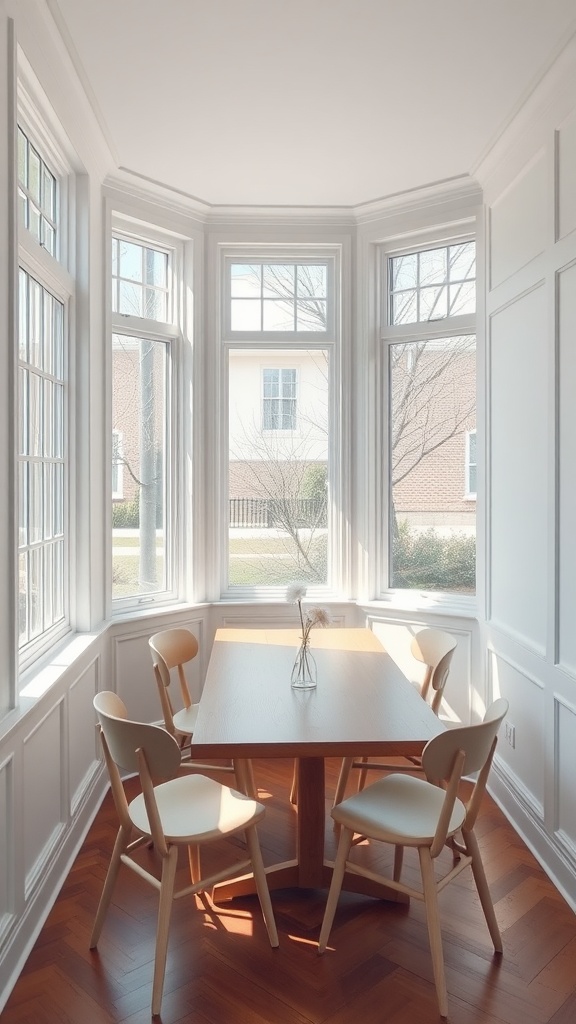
121,844
164,911
483,890
345,769
260,879
194,862
398,861
294,786
434,932
363,775
346,837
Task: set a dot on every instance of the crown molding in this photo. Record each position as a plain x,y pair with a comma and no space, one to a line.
463,190
127,185
541,110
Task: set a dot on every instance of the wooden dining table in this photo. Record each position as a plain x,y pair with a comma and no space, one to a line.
362,705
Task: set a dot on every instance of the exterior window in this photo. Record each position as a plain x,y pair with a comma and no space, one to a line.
433,284
274,297
37,195
279,399
139,280
471,464
278,479
431,378
42,465
117,465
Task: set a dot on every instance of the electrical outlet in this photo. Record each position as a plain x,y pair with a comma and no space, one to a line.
510,734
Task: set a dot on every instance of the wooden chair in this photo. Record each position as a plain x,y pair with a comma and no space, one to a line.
173,649
185,810
425,814
435,649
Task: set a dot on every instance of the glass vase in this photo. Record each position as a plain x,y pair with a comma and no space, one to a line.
304,669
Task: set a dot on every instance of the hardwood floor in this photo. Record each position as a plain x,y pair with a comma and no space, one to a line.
221,969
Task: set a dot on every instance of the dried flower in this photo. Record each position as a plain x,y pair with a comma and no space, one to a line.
295,593
318,617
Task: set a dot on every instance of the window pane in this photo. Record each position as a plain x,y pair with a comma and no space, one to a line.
404,308
278,315
311,315
462,298
433,406
245,315
245,280
130,261
278,281
34,175
433,266
433,303
404,272
278,480
131,299
462,261
311,281
139,415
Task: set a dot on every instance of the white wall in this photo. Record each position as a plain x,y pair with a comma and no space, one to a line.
529,183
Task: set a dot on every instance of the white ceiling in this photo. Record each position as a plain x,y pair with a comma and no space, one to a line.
307,102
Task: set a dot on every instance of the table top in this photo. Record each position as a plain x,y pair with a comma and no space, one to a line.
362,704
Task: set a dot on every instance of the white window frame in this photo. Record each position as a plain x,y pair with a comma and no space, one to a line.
170,333
388,335
53,274
266,342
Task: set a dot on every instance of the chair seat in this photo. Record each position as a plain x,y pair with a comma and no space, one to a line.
195,809
185,720
398,809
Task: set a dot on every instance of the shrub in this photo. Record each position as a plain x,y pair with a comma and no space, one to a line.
428,561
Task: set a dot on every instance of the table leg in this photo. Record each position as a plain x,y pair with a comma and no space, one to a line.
311,813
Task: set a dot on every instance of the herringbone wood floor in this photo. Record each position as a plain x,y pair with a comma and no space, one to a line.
221,969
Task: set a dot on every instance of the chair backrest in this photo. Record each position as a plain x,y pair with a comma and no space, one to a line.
125,737
172,648
435,649
464,751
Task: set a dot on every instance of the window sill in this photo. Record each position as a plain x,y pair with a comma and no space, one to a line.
453,605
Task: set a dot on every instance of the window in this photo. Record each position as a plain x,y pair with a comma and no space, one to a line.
42,471
139,280
433,284
430,372
279,400
471,464
280,432
142,301
287,297
37,194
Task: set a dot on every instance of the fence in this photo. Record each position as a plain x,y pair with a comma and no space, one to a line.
278,513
